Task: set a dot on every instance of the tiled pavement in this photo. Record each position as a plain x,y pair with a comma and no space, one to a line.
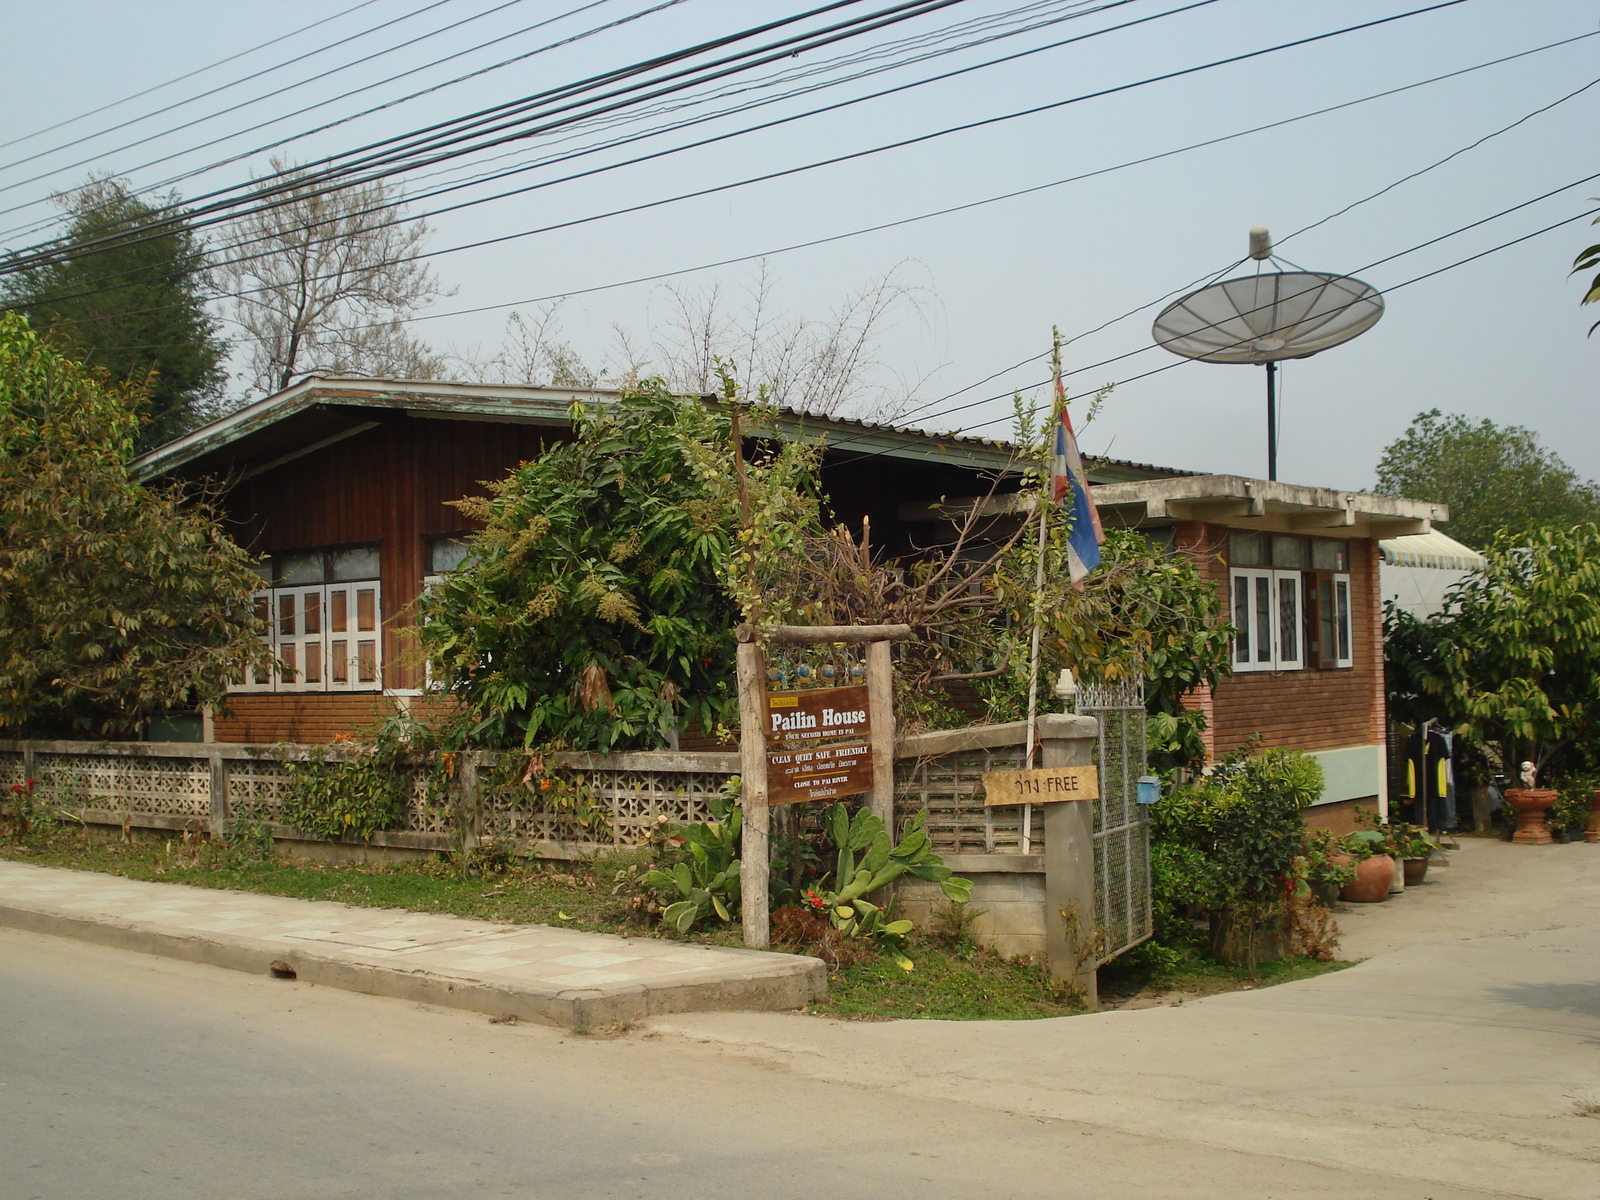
533,971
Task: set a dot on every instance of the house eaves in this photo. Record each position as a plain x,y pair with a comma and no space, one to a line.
321,409
1260,504
848,438
327,408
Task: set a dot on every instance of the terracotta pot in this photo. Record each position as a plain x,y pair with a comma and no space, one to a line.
1531,804
1326,893
1415,869
1591,832
1398,883
1371,884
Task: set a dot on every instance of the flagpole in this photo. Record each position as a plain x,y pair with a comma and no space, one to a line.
1057,395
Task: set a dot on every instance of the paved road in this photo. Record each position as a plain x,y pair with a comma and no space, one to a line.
1465,1050
136,1077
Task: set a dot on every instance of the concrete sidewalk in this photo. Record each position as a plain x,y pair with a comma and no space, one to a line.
1464,1053
562,976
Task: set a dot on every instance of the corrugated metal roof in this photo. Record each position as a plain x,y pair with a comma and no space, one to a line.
1432,549
490,399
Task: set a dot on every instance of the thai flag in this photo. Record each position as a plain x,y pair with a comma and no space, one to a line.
1072,495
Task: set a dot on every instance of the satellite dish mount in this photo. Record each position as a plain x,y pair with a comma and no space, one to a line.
1266,318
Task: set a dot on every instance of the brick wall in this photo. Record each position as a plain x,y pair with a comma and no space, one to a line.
1308,709
318,716
307,717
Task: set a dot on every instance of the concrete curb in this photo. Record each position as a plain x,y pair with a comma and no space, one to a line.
779,981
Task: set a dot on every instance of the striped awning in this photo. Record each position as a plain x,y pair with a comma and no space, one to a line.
1432,549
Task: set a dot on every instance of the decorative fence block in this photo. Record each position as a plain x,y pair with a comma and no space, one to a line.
205,786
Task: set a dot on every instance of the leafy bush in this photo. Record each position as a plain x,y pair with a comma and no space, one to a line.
1570,813
705,877
351,798
867,861
117,602
598,607
1228,843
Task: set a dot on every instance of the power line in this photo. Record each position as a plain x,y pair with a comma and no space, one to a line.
1179,362
643,158
911,50
222,88
815,242
894,145
455,130
973,204
189,75
1032,111
1441,162
242,155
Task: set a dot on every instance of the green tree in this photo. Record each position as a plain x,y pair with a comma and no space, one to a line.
592,612
116,602
1493,477
1587,261
1144,614
1514,661
134,306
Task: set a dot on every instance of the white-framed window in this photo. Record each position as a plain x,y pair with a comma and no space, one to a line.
1268,620
1290,600
444,555
324,614
1328,619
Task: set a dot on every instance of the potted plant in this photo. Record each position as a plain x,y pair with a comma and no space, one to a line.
1327,866
1411,845
1572,816
1374,867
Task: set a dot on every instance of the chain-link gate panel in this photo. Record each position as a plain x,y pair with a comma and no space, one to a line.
1121,824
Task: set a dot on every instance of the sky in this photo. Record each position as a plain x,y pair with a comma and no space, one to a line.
1502,337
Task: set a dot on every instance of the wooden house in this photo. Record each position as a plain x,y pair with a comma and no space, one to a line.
343,485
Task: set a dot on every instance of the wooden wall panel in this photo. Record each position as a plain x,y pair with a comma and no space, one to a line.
388,485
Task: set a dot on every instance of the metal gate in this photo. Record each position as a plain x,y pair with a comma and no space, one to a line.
1121,823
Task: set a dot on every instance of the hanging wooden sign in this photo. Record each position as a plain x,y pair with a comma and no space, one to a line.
819,773
1043,785
810,716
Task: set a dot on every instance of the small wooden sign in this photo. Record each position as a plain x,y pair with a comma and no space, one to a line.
811,716
820,773
1043,785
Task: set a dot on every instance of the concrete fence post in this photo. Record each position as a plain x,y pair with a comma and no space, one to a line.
470,798
1070,919
219,794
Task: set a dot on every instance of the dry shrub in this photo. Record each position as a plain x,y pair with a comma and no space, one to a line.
1312,930
803,932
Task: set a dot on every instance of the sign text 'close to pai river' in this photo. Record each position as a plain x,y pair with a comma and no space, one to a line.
818,772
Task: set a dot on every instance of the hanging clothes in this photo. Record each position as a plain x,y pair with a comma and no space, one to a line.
1429,788
1415,808
1442,792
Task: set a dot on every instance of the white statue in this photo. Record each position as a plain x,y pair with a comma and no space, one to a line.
1529,776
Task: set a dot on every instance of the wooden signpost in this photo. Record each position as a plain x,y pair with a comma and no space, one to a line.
839,712
1045,785
820,773
792,747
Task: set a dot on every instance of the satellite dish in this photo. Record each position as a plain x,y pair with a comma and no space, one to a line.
1268,317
